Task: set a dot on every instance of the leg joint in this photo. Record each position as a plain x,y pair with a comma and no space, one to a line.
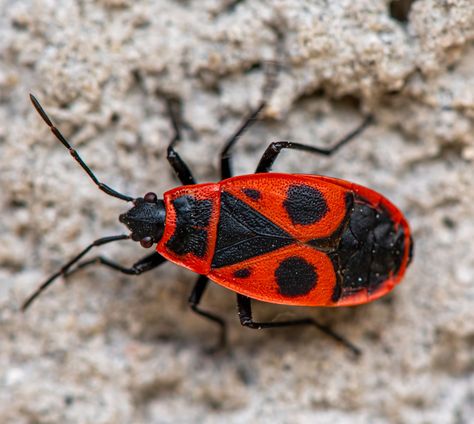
170,152
246,322
276,146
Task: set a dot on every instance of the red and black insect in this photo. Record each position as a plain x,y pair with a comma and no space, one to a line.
280,238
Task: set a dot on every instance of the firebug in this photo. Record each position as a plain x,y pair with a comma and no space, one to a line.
290,239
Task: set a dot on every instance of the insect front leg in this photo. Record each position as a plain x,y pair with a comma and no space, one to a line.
145,264
180,168
67,266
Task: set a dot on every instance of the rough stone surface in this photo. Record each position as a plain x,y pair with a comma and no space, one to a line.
108,348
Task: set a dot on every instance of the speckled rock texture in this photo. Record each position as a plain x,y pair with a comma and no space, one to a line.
107,348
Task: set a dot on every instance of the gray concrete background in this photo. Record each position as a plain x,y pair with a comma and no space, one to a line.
107,348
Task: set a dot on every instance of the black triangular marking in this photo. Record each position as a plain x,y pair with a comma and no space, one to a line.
244,233
230,230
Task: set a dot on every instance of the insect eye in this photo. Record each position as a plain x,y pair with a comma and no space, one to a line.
150,198
146,242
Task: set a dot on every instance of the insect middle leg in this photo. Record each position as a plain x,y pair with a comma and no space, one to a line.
226,168
194,299
275,148
244,306
270,73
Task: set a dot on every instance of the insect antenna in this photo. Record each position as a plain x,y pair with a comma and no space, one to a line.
65,268
104,187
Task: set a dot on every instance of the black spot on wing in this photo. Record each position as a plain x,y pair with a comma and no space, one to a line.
242,273
192,219
243,233
251,193
295,276
305,205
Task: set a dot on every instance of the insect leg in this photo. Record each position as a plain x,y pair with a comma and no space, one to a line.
245,314
180,168
104,187
64,269
274,149
226,169
194,299
145,264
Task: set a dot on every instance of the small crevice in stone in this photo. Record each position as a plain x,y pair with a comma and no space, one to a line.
400,9
231,6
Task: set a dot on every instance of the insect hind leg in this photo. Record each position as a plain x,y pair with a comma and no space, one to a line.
275,148
244,306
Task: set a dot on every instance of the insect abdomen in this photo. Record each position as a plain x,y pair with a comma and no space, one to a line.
370,253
